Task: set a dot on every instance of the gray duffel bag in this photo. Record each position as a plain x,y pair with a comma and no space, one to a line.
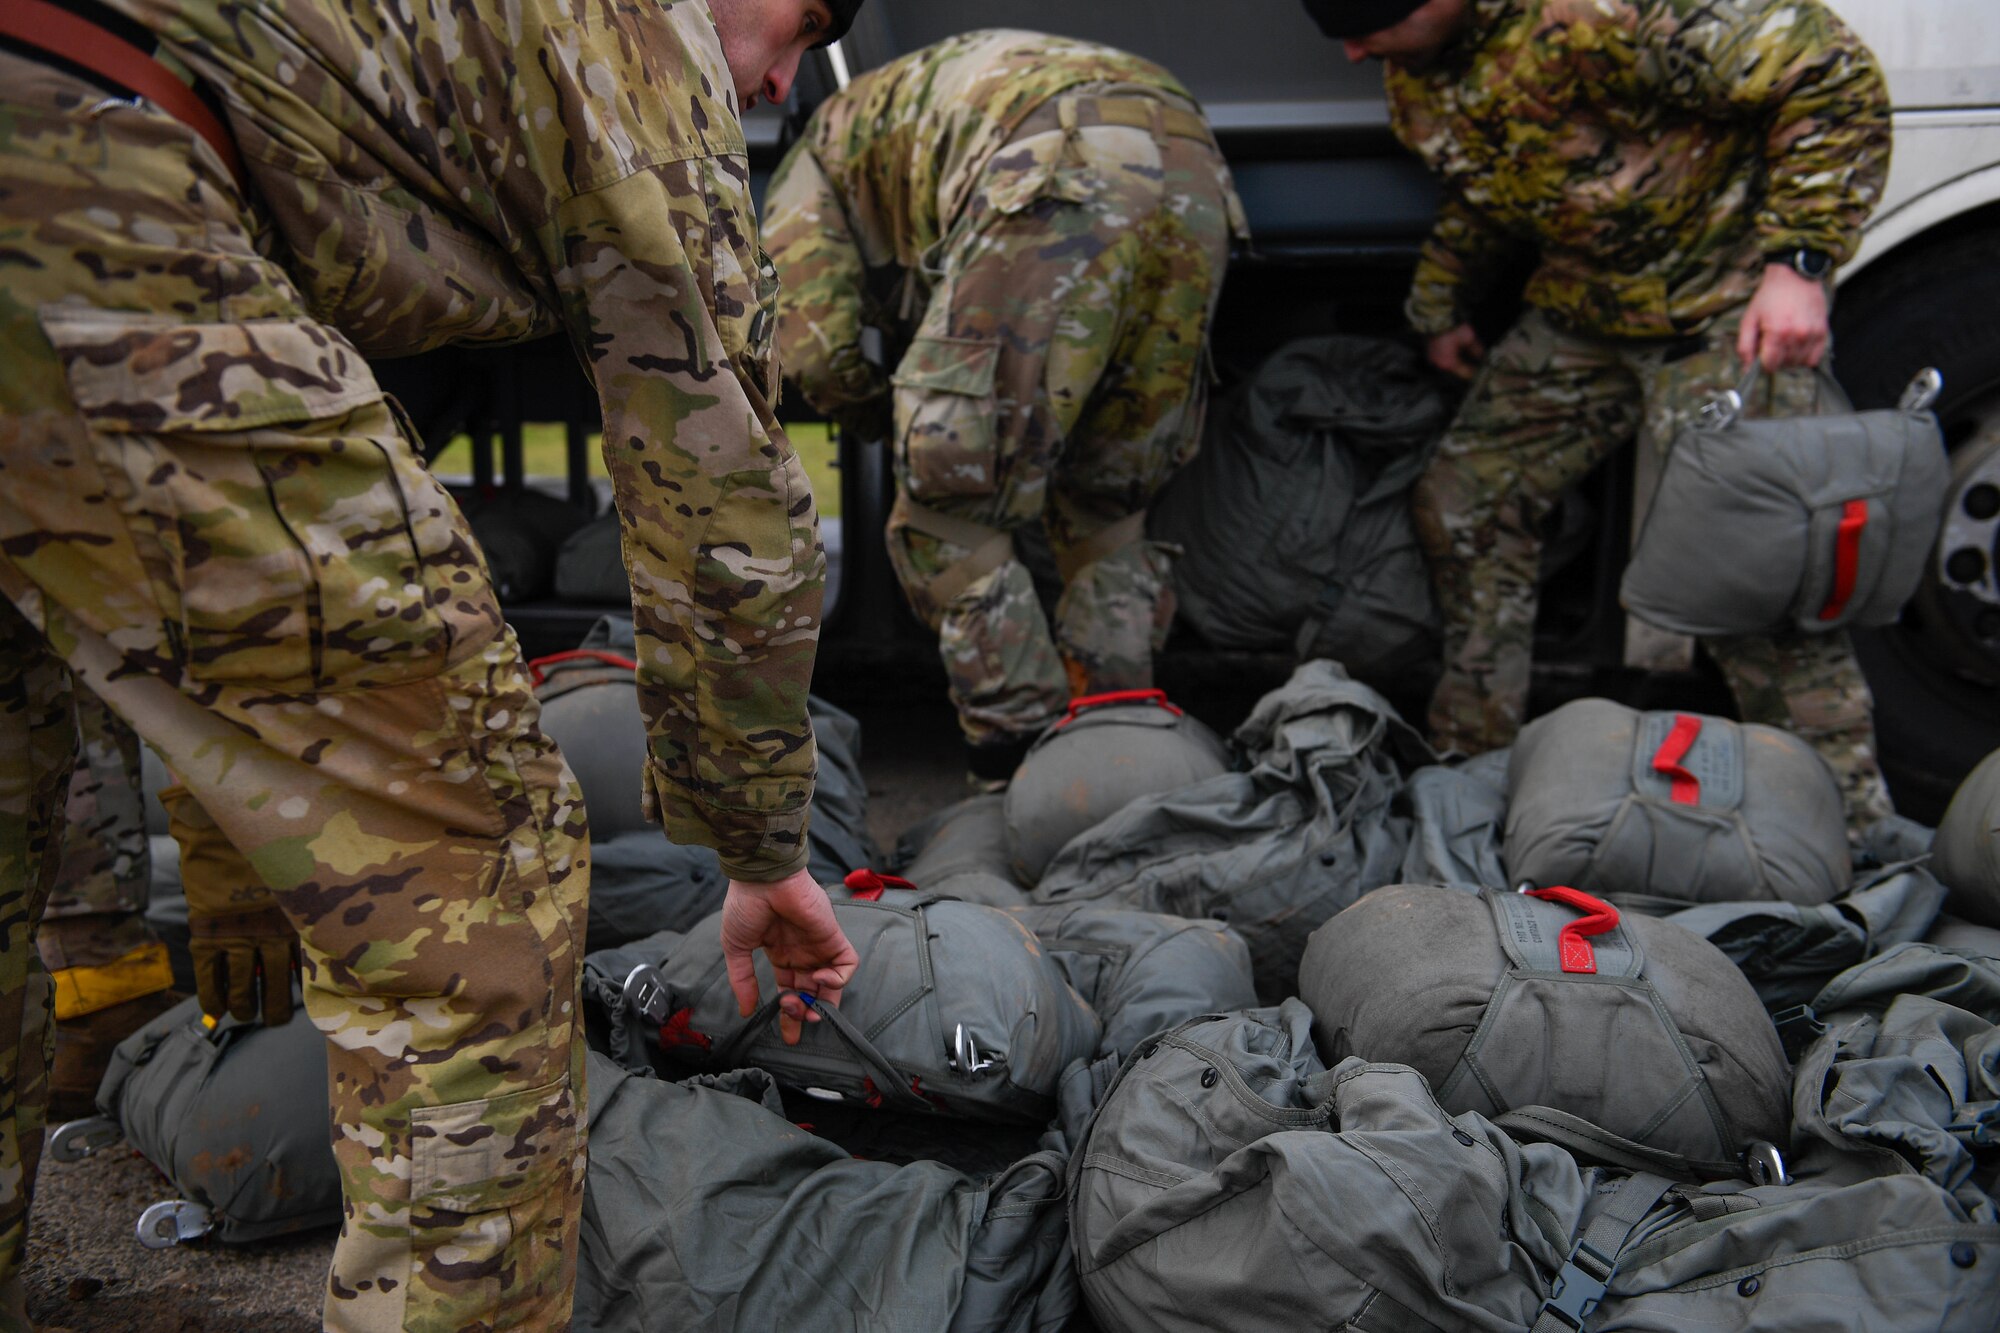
707,1209
955,1008
1229,1181
1506,1001
1108,751
1966,854
1811,524
1657,811
235,1116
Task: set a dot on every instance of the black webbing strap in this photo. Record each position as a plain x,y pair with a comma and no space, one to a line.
1587,1272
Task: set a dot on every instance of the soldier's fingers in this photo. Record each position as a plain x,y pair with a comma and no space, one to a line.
791,1019
277,981
243,984
742,977
211,972
1747,338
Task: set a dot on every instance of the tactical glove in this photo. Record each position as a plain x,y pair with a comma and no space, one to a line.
244,947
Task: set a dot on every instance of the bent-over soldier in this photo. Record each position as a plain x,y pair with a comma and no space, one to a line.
1040,227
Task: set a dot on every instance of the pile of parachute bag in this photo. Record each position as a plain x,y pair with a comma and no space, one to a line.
908,1158
1325,438
1600,1090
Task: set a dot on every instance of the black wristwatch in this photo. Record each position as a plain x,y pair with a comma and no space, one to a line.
1812,265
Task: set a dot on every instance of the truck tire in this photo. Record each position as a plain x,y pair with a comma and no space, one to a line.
1934,674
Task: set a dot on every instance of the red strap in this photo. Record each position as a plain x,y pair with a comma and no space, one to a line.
1085,702
869,884
578,655
81,42
678,1030
1846,557
1667,760
1571,946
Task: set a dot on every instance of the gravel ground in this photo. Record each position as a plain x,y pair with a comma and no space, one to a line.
87,1273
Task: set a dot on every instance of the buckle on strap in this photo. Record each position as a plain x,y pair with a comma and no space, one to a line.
1798,1027
1579,1287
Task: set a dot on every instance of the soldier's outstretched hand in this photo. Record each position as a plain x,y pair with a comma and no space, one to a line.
792,921
1457,352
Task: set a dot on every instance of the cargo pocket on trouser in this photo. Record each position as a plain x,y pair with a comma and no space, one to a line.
946,445
290,536
495,1188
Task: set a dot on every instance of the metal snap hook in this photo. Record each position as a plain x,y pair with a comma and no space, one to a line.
965,1056
1926,387
1721,411
78,1139
168,1224
1766,1164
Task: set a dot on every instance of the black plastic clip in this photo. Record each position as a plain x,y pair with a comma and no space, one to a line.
1580,1286
1797,1028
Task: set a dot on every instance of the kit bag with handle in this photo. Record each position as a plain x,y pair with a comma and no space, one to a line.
1813,523
1106,752
1550,1000
1660,810
955,1008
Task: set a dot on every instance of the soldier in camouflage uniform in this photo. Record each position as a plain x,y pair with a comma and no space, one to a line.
1683,174
212,517
1040,227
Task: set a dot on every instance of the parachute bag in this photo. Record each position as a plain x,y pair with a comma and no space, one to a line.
234,1115
961,852
1659,811
1966,854
1108,751
1811,524
1553,1001
955,1008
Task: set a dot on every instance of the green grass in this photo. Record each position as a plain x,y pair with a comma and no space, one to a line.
543,449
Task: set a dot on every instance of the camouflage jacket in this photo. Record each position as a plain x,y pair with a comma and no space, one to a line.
900,153
1645,154
476,171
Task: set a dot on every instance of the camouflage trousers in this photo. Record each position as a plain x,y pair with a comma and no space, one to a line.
212,518
1547,407
1058,377
93,937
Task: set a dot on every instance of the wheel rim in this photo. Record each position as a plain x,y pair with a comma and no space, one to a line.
1960,599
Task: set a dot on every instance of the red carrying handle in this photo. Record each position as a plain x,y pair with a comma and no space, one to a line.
1846,557
578,655
1571,945
867,885
1667,761
1085,702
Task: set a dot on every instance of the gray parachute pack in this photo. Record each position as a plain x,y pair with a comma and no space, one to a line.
1791,524
1276,850
1668,809
1106,752
1967,852
1550,1005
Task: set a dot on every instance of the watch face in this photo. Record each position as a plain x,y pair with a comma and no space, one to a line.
1811,263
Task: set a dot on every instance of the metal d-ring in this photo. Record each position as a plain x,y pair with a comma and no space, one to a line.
1721,411
646,993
